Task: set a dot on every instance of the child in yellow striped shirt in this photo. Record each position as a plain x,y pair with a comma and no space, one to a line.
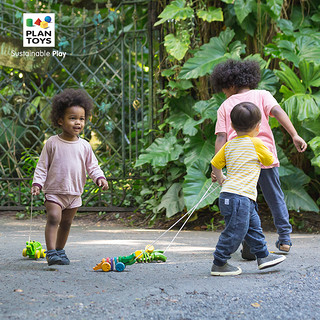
242,156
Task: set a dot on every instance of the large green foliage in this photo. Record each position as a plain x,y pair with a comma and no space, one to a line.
188,123
217,50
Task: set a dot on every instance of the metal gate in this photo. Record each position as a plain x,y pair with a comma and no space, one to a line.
107,53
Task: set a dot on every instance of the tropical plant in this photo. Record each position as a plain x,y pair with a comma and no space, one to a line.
187,127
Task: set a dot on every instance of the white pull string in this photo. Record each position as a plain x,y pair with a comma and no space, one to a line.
31,208
191,212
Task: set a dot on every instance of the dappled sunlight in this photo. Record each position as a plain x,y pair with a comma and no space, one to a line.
189,249
129,230
142,243
302,236
108,242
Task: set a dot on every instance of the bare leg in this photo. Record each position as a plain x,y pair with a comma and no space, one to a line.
54,213
64,227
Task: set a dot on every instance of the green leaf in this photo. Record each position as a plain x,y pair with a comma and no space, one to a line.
196,184
18,14
182,115
268,81
290,79
310,73
243,8
160,152
286,167
298,199
167,73
181,85
172,201
197,148
301,107
312,125
175,11
287,93
275,7
10,131
177,46
287,51
316,17
286,26
207,109
272,50
185,122
308,47
315,146
211,54
213,14
295,196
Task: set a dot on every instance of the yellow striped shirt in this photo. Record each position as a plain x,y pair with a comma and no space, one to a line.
242,157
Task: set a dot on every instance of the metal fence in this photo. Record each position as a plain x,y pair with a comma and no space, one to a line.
108,54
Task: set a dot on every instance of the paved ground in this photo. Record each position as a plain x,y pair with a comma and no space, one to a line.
180,288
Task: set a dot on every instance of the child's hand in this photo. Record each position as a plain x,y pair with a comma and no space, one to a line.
35,190
103,183
299,143
222,180
213,177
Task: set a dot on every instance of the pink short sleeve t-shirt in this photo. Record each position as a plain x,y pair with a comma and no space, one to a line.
265,101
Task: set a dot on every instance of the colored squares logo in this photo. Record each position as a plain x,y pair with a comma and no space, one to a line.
38,30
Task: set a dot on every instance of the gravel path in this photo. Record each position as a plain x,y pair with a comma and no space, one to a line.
180,288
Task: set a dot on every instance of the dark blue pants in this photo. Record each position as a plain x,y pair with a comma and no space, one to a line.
269,183
242,222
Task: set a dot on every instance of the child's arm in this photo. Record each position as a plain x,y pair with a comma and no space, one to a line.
219,175
40,173
284,120
220,141
94,170
217,163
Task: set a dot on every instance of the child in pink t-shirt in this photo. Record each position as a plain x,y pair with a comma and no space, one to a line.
237,79
61,170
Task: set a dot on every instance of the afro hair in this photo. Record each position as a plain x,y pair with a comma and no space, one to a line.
69,98
235,73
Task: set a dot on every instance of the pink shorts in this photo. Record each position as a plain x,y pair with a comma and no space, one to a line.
65,201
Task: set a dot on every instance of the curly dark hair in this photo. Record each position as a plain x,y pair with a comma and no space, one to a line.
237,73
245,116
69,98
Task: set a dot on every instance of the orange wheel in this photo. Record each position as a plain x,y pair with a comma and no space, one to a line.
24,252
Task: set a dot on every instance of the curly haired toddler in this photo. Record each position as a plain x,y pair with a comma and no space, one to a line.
61,170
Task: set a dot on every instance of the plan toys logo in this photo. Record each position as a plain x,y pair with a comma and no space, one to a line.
38,30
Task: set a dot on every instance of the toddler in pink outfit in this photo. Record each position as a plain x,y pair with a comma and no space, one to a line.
61,170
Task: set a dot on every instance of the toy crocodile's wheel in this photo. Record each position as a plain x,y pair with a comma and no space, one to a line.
37,254
43,254
149,248
120,266
24,252
106,267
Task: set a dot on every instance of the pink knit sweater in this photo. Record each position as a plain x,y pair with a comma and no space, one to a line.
63,165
